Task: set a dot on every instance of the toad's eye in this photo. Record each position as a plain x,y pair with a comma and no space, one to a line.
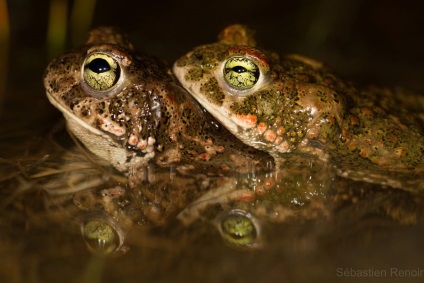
241,73
101,233
100,71
239,229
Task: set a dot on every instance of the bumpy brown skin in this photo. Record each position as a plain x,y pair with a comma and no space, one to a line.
147,117
297,105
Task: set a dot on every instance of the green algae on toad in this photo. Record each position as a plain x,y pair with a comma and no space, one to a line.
292,104
126,108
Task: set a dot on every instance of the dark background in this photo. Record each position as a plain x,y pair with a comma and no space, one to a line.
379,41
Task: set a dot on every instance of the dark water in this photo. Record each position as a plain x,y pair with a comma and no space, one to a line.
169,229
163,233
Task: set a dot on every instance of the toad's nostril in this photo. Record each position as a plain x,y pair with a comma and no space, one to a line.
197,56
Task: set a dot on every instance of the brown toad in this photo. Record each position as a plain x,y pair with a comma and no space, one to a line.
126,108
283,104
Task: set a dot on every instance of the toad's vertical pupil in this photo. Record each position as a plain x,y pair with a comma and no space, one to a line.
99,65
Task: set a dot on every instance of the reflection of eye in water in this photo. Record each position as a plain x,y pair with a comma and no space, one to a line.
239,229
101,233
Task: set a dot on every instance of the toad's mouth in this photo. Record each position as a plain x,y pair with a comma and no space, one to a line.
101,143
70,116
224,116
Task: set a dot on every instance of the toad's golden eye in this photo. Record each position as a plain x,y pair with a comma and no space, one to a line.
100,71
238,228
241,73
101,233
100,237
